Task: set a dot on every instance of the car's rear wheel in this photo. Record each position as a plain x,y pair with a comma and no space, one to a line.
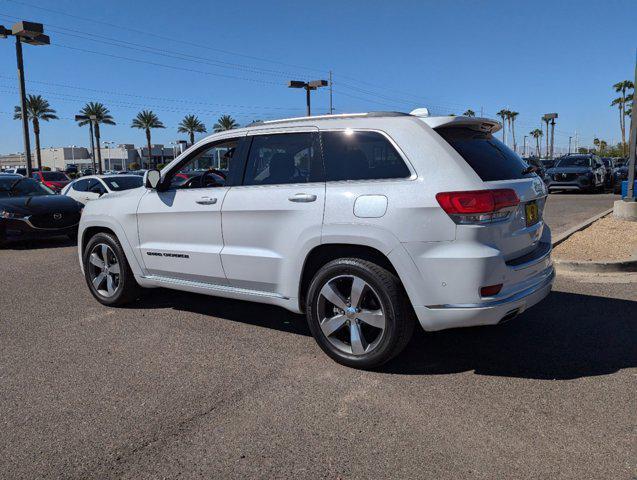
107,272
358,313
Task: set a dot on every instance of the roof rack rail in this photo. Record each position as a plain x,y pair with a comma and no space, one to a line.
334,116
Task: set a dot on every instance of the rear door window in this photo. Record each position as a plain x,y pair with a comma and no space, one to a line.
284,158
491,159
361,155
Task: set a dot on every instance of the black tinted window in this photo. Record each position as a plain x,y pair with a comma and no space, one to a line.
283,158
352,155
489,157
80,185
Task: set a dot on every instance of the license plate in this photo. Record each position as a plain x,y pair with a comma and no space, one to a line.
532,213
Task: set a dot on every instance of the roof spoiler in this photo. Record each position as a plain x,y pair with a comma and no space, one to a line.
476,123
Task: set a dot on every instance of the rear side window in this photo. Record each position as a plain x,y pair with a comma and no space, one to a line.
358,155
284,158
491,159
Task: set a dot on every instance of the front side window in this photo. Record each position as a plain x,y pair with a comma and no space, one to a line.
360,155
208,167
284,158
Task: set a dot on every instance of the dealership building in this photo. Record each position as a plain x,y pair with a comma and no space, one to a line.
118,157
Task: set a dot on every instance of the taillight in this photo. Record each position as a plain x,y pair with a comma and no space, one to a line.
478,206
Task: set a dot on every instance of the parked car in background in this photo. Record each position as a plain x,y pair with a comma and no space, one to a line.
620,174
93,187
548,164
319,217
580,172
87,171
540,169
29,209
56,181
609,164
20,170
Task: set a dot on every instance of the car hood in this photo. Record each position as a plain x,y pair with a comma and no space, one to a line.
578,170
40,204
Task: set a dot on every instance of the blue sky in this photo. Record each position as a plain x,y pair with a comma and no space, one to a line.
211,57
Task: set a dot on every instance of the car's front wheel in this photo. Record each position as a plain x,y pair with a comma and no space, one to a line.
107,273
358,313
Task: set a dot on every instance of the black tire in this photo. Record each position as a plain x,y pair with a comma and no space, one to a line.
127,289
388,294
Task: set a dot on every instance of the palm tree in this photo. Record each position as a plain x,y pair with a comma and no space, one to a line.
225,122
596,142
469,113
37,109
191,125
503,115
145,120
511,118
622,88
101,114
537,133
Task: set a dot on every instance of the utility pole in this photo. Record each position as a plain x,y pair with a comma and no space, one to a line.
331,92
569,145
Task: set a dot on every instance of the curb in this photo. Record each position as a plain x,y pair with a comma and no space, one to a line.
586,266
595,267
579,227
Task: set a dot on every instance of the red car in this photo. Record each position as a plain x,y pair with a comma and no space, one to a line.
56,181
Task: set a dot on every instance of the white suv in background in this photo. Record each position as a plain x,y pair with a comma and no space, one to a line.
365,222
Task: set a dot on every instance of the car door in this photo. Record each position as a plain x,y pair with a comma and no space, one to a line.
79,190
274,218
180,228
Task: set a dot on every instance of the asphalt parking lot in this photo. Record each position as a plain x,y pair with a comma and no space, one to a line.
186,386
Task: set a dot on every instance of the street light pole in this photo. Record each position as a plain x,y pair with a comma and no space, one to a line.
33,34
308,86
569,145
23,106
524,147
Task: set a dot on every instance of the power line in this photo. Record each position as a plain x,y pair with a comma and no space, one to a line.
163,37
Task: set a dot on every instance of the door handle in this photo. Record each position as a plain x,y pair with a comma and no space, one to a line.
206,201
302,198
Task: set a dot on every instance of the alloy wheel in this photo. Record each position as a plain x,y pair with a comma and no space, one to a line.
104,270
351,315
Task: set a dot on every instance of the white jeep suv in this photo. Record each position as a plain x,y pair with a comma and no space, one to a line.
365,222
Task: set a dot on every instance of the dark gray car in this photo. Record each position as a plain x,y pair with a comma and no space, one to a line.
580,172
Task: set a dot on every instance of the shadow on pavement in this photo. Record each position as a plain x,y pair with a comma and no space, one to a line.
37,244
567,336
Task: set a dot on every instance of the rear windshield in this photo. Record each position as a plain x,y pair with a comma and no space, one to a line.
55,176
123,183
489,157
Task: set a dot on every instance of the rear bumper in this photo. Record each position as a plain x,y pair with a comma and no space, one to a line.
439,317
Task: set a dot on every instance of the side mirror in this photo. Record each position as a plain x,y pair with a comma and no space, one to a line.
152,178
